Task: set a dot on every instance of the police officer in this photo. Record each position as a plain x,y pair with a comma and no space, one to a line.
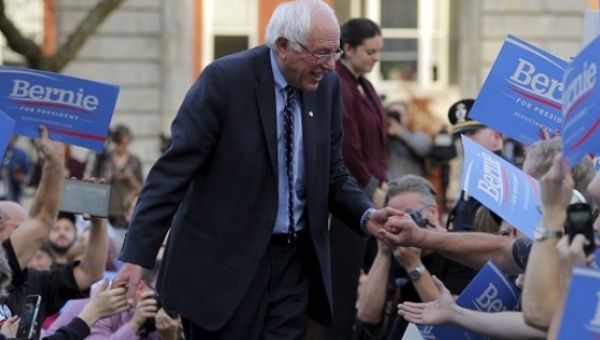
462,215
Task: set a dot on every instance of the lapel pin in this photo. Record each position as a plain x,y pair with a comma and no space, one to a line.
310,113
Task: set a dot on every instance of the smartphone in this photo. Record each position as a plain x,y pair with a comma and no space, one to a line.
80,197
580,220
27,324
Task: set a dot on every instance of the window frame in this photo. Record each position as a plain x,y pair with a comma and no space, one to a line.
426,35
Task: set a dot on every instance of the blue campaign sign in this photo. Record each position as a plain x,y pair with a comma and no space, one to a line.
581,316
501,186
489,291
7,126
75,111
521,96
580,105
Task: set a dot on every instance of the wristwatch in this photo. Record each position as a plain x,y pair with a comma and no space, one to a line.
415,274
365,219
541,233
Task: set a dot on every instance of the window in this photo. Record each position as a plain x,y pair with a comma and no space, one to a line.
227,44
229,26
416,35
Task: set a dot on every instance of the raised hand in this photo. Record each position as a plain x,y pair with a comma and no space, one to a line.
557,186
105,302
50,149
436,312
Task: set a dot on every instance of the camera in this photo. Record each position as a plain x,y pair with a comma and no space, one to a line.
417,218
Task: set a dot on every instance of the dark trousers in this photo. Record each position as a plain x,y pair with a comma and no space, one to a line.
275,306
347,255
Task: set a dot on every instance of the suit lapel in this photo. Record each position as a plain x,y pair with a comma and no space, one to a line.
265,97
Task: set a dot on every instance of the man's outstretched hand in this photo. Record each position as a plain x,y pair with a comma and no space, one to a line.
128,276
379,218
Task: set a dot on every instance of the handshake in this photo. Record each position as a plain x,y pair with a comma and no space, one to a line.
400,228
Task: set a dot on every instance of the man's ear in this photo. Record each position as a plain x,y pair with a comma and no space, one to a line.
282,47
346,48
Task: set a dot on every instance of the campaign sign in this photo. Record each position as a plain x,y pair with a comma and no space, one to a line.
7,125
489,291
501,186
521,96
581,316
75,111
580,105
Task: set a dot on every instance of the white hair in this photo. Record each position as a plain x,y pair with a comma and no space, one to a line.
292,20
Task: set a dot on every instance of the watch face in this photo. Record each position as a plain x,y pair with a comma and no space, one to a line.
414,274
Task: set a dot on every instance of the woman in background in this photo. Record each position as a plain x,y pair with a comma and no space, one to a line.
123,171
365,129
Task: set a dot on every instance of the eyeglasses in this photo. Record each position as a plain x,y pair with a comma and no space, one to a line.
323,58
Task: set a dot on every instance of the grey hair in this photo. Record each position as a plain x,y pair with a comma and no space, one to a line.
411,183
292,20
6,274
539,157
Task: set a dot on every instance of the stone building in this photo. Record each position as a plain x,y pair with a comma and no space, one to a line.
154,49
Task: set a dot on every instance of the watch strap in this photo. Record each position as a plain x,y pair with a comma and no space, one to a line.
541,233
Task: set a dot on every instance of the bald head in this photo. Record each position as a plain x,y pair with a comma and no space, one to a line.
12,215
14,210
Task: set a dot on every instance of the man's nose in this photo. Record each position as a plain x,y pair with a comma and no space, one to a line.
330,64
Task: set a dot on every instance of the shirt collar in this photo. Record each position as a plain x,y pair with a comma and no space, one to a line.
280,82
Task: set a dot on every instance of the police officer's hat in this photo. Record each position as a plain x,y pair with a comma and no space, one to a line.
458,115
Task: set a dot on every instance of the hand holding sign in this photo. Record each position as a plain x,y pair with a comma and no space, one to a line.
580,105
521,96
75,111
50,149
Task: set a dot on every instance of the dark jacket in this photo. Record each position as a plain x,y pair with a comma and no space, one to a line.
365,125
217,187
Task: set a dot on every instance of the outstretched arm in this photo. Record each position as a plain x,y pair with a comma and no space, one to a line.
30,235
542,291
92,264
469,248
444,310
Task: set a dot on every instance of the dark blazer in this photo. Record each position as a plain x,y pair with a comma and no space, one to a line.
217,187
365,130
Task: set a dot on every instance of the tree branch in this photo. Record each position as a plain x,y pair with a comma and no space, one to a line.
86,28
17,41
57,62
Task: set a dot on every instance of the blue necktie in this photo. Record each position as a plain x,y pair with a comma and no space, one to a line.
288,124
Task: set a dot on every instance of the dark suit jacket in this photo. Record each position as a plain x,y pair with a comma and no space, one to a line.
217,187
